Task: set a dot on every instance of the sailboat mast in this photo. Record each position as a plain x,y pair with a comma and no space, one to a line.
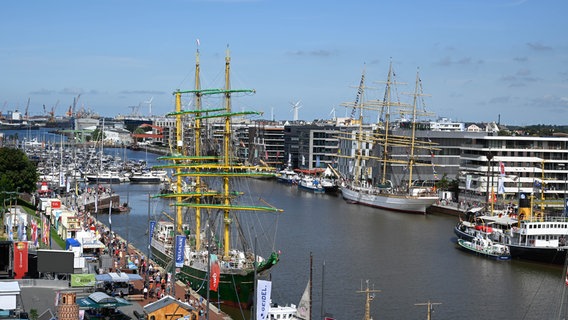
359,150
179,145
387,104
413,136
197,150
226,143
311,271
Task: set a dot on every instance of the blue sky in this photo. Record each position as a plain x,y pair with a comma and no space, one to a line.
478,59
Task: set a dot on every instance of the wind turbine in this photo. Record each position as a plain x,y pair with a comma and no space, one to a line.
149,103
295,107
332,114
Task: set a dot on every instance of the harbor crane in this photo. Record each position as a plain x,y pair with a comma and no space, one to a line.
26,115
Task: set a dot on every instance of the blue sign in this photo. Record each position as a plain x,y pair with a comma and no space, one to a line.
180,249
151,233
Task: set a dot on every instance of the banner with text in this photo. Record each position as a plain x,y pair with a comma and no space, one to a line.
263,290
180,249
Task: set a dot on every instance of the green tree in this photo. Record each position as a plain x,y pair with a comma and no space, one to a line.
17,172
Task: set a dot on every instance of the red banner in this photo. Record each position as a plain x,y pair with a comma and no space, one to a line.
55,204
20,259
215,274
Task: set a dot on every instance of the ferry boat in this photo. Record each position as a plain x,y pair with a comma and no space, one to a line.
539,238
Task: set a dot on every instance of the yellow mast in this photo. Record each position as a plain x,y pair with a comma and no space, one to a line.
226,142
179,150
429,306
368,300
197,151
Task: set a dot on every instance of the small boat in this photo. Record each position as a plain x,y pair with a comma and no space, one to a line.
287,312
123,208
486,247
329,185
107,177
312,184
148,177
288,176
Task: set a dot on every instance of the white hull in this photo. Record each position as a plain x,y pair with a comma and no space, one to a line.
389,201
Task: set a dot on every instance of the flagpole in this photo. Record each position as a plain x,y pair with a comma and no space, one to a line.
148,247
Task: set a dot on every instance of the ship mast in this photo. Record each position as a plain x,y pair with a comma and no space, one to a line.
387,104
215,166
369,297
226,143
197,151
359,150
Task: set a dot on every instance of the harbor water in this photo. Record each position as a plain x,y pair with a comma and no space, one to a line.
411,259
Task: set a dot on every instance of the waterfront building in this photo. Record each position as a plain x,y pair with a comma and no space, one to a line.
440,160
347,148
523,164
445,124
168,133
267,139
313,145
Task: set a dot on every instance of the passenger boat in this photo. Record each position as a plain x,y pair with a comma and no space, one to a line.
148,177
538,238
288,176
210,242
107,177
378,190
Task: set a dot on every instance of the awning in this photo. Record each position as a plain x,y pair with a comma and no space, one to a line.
71,242
99,300
93,244
117,277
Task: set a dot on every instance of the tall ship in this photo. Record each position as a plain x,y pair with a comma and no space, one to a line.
380,190
209,226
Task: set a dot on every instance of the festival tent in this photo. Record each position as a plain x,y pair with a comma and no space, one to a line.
117,277
71,242
9,292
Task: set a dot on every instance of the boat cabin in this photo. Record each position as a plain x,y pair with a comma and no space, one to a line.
552,232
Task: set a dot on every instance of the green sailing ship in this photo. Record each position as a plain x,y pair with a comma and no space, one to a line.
206,174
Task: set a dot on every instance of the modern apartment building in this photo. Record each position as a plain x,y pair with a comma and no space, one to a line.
509,166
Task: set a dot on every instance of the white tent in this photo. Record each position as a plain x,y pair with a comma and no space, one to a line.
9,292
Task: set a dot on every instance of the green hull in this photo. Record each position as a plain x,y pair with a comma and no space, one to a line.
235,290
